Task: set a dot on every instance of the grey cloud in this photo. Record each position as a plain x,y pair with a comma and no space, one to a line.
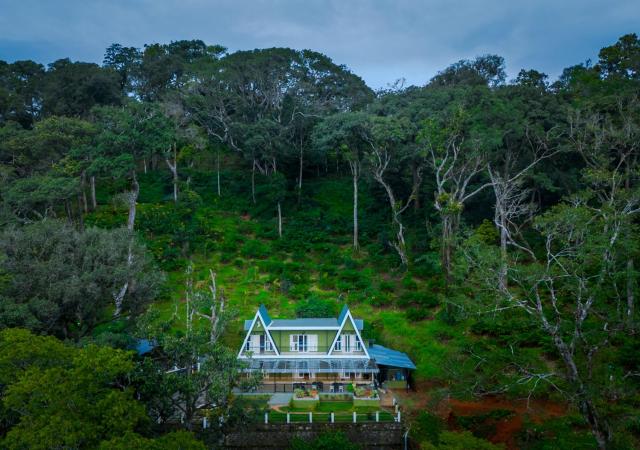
381,40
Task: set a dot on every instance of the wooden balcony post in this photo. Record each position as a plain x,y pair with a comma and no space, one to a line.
377,416
288,418
310,417
355,417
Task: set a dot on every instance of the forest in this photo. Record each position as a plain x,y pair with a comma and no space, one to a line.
486,226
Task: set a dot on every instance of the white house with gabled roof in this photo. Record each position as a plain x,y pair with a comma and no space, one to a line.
326,352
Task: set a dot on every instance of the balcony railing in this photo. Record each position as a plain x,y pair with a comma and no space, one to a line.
286,350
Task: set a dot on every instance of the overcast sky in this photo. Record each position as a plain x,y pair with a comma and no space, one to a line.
380,40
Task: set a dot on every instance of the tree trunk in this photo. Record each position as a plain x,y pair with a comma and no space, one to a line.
630,295
417,180
218,171
133,198
144,163
253,182
502,276
118,297
173,167
356,244
83,188
81,196
67,207
300,174
94,204
599,428
399,245
446,250
279,220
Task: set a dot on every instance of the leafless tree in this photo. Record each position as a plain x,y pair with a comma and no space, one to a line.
512,199
171,158
456,162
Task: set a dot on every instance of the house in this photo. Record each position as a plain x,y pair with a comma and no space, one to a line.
328,353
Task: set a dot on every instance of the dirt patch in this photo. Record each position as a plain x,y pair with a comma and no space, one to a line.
498,418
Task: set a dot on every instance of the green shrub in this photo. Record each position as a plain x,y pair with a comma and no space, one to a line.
386,286
315,306
421,299
355,279
255,249
380,299
427,428
409,283
416,314
325,441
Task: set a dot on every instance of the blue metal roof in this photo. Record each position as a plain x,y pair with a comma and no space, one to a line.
343,313
265,315
303,323
387,357
306,322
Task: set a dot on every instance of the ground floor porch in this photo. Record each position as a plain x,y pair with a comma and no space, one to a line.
322,383
327,375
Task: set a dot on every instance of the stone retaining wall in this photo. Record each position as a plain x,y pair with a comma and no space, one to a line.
370,435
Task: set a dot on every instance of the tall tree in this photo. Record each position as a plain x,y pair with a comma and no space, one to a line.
61,281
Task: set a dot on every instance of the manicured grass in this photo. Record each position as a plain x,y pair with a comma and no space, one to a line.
253,401
334,406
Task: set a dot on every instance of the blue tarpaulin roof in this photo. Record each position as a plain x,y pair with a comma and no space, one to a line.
144,346
387,357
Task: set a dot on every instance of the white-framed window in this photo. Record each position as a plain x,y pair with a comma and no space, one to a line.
358,344
348,343
303,342
338,346
267,344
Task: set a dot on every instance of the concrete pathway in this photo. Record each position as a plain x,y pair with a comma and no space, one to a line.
280,398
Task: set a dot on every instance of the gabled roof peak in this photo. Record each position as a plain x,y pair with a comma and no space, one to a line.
343,314
266,318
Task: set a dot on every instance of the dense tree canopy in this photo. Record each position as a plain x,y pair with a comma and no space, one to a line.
504,210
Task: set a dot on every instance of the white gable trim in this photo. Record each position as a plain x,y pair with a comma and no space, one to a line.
355,328
266,331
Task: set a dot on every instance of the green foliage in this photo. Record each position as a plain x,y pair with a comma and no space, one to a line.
255,249
558,433
487,232
451,440
62,282
66,397
177,440
316,307
325,441
427,427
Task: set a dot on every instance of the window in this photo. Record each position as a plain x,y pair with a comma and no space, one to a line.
338,346
303,342
349,343
298,342
267,345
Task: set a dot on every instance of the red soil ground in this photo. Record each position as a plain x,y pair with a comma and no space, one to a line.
506,429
